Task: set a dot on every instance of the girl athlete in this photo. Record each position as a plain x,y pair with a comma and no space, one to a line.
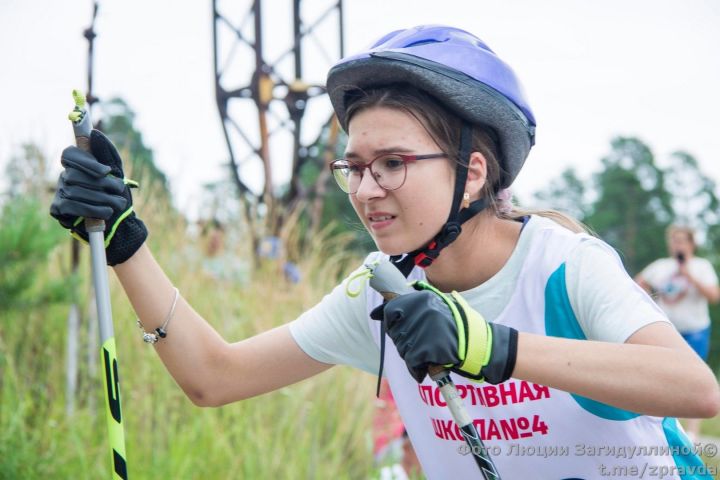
554,348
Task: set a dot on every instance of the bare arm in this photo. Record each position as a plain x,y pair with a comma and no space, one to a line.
654,373
209,370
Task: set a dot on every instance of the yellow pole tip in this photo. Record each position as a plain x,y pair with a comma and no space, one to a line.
79,98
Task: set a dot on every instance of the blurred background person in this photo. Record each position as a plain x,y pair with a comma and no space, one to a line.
219,262
683,285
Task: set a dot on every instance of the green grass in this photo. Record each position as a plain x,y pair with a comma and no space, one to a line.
319,428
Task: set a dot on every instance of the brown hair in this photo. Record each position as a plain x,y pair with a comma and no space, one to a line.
444,128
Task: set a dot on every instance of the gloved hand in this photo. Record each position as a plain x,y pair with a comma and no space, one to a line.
431,328
95,186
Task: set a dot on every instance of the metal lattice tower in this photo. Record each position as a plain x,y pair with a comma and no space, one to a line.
253,69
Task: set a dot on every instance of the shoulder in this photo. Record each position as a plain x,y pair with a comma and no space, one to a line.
703,267
548,243
660,266
593,265
592,256
541,228
608,304
702,262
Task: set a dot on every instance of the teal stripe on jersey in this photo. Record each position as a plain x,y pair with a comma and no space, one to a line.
690,467
560,321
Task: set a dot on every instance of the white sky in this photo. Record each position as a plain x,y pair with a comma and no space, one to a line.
592,70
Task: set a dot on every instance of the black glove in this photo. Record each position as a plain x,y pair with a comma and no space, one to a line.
94,186
431,328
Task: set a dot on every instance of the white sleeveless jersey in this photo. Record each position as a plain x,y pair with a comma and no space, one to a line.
532,431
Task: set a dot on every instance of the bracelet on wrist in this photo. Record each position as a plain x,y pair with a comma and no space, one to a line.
160,332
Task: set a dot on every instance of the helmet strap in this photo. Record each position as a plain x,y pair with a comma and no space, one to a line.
425,256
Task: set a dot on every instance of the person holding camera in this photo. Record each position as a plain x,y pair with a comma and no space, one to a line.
683,285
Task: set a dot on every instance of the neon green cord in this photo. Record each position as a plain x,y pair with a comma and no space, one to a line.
79,99
362,274
78,112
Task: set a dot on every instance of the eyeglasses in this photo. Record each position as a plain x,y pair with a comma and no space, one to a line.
389,170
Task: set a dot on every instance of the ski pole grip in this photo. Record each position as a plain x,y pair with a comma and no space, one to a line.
82,129
389,282
80,118
91,224
83,143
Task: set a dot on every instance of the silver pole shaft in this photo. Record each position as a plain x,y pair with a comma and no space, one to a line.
95,230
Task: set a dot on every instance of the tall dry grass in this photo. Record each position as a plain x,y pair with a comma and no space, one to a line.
319,428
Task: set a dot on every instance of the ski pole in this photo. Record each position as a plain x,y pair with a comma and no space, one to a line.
82,127
389,282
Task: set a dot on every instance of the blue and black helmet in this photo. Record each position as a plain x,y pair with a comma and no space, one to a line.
469,79
453,66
